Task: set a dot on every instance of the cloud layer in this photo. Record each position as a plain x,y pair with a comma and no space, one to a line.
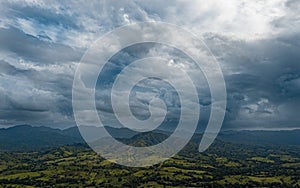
257,44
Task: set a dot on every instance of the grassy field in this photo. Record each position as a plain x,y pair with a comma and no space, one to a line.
223,165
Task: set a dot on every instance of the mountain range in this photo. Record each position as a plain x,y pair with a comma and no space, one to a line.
30,138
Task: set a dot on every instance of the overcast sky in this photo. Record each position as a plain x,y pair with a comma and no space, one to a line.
257,44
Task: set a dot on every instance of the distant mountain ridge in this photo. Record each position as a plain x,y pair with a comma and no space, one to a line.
262,137
29,138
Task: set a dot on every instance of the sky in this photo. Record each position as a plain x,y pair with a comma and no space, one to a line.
257,44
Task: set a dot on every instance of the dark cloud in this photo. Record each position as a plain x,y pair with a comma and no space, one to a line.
262,77
34,97
31,48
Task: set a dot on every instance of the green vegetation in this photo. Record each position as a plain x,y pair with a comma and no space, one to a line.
223,165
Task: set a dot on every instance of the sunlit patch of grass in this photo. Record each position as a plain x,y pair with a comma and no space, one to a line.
21,175
262,159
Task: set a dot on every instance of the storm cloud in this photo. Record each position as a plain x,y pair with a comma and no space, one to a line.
256,43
